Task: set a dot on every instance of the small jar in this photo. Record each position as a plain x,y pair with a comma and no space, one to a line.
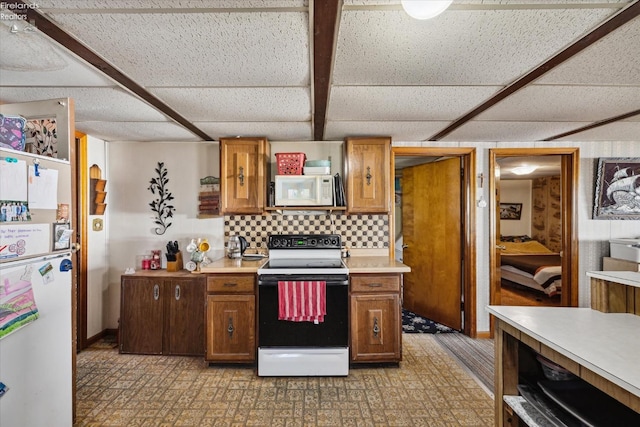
146,264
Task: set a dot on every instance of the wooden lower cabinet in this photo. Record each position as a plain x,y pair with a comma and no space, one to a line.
376,318
162,313
230,318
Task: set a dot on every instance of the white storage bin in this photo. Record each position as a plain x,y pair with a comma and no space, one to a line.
317,170
628,249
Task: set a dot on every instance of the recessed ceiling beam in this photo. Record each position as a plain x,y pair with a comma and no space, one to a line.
594,125
325,29
621,18
46,26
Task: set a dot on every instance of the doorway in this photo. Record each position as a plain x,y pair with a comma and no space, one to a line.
423,239
558,234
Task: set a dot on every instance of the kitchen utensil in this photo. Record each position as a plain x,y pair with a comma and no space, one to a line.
192,246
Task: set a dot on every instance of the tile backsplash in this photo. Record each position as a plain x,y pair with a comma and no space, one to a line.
357,231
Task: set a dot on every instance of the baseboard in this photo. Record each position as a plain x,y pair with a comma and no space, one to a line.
483,334
100,335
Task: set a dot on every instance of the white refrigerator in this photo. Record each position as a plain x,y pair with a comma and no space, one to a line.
37,337
36,358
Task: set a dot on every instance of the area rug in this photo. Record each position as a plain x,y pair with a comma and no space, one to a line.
414,324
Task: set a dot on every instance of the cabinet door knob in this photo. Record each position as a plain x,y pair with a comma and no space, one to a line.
177,292
156,292
241,175
230,328
376,328
369,176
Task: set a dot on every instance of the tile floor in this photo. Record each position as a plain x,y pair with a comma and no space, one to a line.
429,388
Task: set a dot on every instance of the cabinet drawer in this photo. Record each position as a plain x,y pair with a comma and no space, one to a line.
231,283
375,283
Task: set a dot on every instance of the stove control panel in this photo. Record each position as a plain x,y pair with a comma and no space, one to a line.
302,241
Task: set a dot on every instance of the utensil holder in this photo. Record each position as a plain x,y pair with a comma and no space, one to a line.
176,265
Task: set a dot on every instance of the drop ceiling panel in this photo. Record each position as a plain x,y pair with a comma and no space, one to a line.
465,47
239,104
166,4
509,131
204,49
47,64
280,131
99,104
612,60
400,131
404,102
618,131
137,131
565,103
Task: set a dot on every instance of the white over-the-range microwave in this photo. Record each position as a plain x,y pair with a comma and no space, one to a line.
304,190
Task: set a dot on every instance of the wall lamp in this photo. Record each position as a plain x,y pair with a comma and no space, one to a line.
420,9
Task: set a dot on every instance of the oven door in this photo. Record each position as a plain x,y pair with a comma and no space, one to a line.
303,348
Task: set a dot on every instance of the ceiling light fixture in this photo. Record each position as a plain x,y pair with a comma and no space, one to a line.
524,169
420,9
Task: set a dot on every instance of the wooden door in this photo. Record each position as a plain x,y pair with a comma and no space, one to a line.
432,224
141,315
242,175
375,327
368,174
184,325
231,328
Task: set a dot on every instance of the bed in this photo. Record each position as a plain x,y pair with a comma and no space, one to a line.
527,262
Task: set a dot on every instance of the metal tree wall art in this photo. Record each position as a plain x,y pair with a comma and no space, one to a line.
161,206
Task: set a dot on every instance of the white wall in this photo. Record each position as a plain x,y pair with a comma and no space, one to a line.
593,235
97,254
131,166
516,191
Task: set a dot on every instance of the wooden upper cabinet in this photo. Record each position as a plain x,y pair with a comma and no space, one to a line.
368,174
243,174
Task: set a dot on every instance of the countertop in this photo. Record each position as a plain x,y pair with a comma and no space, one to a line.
629,278
356,264
375,264
606,343
228,265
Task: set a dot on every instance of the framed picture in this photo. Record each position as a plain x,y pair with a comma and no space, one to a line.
510,210
617,188
61,236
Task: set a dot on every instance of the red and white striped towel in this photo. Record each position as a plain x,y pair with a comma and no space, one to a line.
302,301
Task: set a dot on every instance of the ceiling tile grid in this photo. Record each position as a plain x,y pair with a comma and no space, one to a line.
554,103
32,59
508,131
207,49
239,104
617,131
136,131
244,67
274,131
91,104
400,131
459,47
611,60
405,103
